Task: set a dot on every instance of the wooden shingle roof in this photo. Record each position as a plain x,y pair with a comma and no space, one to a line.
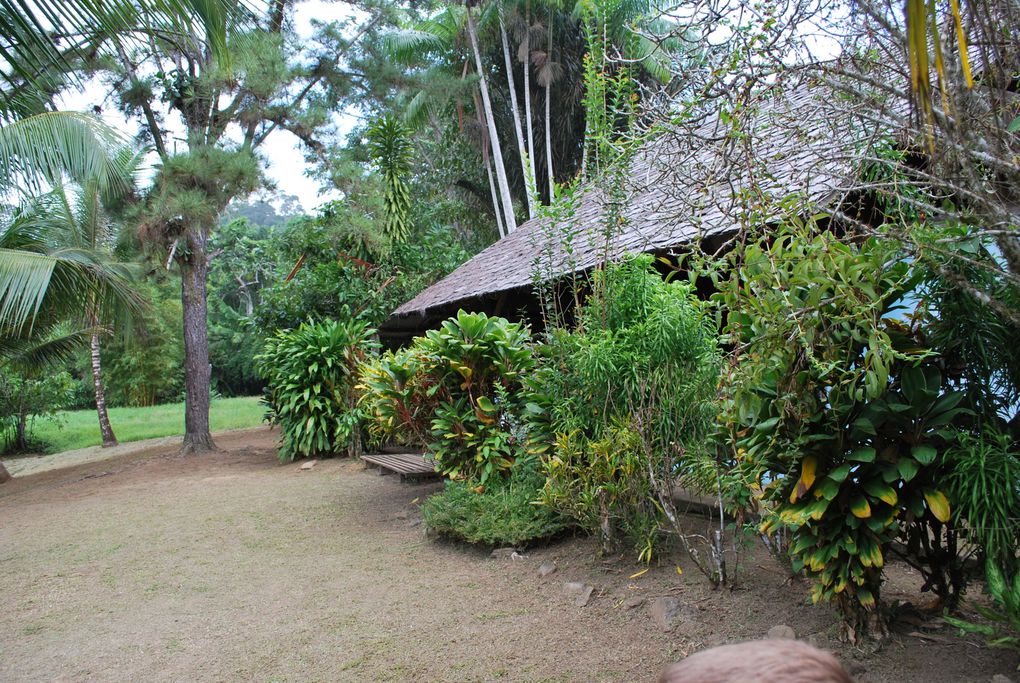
691,181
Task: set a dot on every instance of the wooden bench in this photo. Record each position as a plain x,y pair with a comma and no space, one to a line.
407,465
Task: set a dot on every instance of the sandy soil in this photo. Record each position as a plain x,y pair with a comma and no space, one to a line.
232,567
23,465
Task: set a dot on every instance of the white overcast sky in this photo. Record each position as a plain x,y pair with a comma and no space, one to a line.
285,161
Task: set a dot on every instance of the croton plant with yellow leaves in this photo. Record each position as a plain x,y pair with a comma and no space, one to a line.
837,416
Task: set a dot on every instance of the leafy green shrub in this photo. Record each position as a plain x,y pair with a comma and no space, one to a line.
464,379
397,396
341,261
623,402
982,482
836,414
503,512
311,374
24,397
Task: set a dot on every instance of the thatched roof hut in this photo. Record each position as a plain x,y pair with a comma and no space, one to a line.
693,182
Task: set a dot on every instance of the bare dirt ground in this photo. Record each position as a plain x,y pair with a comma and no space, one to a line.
23,465
232,567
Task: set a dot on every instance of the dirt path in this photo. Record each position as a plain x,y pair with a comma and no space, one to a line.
24,465
231,567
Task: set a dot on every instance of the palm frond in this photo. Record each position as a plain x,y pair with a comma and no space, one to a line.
42,149
412,45
52,347
67,282
46,35
25,279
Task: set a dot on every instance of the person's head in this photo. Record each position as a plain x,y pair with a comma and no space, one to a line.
758,661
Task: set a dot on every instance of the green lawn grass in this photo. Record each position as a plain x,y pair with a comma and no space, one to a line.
73,429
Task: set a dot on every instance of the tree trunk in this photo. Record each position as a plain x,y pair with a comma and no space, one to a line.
105,429
21,433
497,152
527,97
495,197
522,152
194,270
861,625
488,172
5,476
548,130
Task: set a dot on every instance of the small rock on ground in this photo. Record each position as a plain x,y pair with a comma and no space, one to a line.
781,631
503,553
631,603
665,612
546,568
579,591
308,465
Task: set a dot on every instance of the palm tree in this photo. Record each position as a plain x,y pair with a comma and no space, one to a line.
73,223
36,282
497,151
437,40
77,218
525,153
42,150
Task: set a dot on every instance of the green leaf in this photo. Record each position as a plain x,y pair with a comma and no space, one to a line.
908,468
863,455
827,489
865,426
840,473
921,384
924,454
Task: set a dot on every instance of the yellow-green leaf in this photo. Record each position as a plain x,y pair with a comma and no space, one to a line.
860,507
882,491
808,466
938,504
866,599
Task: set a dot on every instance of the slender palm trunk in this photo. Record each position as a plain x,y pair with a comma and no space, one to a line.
495,195
486,157
527,96
548,130
497,152
105,429
194,270
522,152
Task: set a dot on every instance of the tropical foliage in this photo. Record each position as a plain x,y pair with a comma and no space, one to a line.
465,380
391,149
23,399
504,512
623,402
838,416
310,375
